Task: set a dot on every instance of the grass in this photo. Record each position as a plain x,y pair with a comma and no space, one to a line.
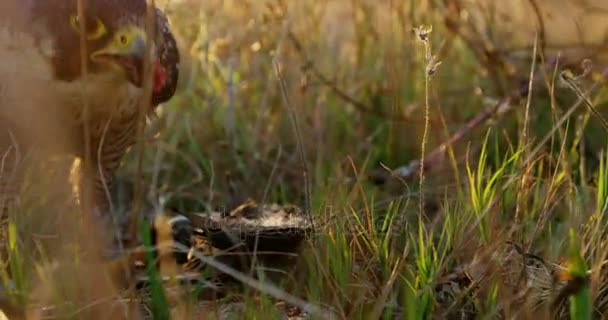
300,102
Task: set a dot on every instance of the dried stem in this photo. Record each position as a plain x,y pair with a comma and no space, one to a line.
569,80
85,201
300,141
141,119
524,136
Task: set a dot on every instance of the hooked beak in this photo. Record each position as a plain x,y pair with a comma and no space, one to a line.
126,50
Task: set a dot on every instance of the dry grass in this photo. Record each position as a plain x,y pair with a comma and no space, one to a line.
301,101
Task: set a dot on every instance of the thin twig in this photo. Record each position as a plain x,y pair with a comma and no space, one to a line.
541,35
275,166
266,288
144,106
298,133
487,55
230,115
386,290
85,201
529,94
309,66
569,80
430,65
524,136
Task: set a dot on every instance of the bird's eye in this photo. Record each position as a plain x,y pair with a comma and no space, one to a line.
94,28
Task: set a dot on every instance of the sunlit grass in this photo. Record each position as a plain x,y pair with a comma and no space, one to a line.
228,135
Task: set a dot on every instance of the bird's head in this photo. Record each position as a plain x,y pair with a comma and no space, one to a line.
115,42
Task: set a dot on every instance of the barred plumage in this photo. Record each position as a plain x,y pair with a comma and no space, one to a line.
455,297
109,146
528,275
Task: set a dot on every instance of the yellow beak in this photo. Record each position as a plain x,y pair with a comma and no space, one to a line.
127,42
126,50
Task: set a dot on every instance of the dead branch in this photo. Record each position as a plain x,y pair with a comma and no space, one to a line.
435,158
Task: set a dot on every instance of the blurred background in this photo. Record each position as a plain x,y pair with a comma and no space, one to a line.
354,74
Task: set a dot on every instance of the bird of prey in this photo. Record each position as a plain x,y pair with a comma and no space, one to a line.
59,58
